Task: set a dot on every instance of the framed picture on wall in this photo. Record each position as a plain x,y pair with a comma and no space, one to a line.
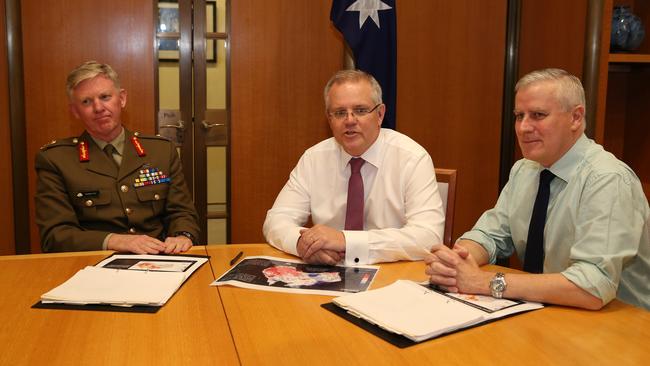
168,31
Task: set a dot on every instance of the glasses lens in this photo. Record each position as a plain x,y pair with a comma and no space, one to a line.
356,112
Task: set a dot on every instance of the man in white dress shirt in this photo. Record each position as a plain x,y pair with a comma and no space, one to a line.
399,210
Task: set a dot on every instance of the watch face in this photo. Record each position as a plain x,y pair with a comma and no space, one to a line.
498,285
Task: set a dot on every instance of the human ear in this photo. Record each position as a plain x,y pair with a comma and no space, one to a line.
577,117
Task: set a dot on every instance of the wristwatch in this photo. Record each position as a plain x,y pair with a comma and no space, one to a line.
498,285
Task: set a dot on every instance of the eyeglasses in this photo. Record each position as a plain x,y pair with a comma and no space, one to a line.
358,112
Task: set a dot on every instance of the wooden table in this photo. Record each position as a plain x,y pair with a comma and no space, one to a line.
288,329
190,329
204,325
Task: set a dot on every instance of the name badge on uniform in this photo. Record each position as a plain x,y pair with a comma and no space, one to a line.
150,176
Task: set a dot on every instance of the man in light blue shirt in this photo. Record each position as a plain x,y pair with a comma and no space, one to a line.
596,238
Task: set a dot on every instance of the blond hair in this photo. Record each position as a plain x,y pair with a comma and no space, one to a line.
89,70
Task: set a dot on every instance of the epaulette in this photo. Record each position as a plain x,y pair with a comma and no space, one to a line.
70,141
151,137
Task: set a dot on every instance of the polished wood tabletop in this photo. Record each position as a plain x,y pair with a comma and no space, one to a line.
202,325
190,329
292,329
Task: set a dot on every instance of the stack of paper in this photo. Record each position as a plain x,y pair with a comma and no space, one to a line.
420,313
97,285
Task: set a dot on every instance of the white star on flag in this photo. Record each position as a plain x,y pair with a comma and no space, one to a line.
368,9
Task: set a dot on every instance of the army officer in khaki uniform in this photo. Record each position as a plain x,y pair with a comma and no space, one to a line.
110,188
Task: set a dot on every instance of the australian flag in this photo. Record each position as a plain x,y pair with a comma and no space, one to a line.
370,29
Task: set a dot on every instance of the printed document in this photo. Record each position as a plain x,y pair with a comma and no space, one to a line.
126,280
418,312
288,275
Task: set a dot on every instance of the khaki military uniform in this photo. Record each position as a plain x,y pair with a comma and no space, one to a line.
78,203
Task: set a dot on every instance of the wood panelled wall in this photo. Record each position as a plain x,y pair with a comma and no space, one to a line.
450,75
450,72
557,43
282,54
450,84
118,32
6,188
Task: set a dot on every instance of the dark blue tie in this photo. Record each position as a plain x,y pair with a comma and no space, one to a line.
534,258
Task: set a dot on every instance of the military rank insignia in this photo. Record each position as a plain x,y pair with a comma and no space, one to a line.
83,151
138,146
150,176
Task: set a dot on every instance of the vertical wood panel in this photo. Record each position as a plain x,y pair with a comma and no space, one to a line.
282,54
552,35
59,36
450,82
6,189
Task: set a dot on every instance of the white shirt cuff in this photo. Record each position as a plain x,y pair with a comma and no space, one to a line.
105,242
356,247
289,244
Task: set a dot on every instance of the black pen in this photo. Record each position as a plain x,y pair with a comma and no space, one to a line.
234,260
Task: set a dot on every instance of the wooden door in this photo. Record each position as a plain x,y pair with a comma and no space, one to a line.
59,36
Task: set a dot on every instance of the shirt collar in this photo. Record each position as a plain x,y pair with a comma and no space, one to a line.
372,155
118,142
565,168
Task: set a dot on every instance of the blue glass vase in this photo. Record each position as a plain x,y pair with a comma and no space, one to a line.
627,30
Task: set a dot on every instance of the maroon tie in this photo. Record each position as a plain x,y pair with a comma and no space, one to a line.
354,211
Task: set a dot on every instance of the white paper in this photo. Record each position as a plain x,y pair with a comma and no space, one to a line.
419,313
126,280
93,285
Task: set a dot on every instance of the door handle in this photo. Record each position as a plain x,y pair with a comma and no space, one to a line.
208,125
179,126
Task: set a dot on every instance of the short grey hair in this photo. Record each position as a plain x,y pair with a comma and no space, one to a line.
89,70
570,92
353,76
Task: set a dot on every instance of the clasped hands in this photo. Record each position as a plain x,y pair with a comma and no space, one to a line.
321,244
455,270
144,244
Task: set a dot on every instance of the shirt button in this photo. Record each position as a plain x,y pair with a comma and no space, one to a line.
124,188
156,196
356,260
89,203
128,210
132,230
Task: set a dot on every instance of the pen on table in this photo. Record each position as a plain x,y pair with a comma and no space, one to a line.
234,260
